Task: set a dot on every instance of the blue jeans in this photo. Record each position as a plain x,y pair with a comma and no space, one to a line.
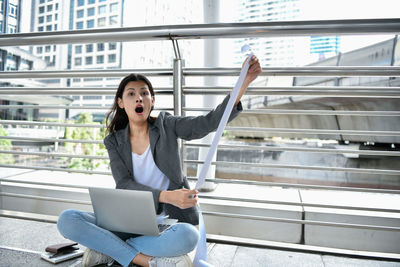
81,227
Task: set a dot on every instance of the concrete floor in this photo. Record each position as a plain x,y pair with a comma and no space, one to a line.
22,242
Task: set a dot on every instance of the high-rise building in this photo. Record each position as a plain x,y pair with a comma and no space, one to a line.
9,16
324,46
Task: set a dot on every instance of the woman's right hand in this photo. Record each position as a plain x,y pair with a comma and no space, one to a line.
181,198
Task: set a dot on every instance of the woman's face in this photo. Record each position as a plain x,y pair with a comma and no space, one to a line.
137,101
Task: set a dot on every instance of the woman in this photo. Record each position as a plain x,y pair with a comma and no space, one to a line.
144,155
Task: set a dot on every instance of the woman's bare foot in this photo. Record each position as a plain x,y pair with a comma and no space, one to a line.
142,260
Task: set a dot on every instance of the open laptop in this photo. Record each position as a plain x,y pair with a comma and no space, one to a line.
127,211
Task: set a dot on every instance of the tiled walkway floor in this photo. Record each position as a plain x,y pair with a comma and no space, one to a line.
21,243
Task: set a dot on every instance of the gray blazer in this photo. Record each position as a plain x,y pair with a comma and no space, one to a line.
163,134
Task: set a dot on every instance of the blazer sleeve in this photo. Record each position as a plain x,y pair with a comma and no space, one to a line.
195,127
122,176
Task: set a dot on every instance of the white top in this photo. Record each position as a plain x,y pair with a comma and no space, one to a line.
147,173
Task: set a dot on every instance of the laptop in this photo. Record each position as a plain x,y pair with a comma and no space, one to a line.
127,211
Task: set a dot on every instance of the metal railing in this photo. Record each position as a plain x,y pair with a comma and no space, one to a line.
240,30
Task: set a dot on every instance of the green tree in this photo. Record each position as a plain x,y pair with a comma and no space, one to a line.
82,133
5,145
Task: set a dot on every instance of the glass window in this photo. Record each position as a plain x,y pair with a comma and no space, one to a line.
78,61
49,8
79,13
42,1
88,60
89,48
54,48
102,9
112,46
55,27
102,1
47,58
90,12
90,24
48,48
41,9
91,1
48,28
100,59
101,22
112,58
48,18
78,49
100,47
41,19
39,50
56,17
79,25
114,7
40,29
81,2
56,6
113,20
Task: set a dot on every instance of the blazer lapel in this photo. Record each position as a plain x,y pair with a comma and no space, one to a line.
124,148
154,135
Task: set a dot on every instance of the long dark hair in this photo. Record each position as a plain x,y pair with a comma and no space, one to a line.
119,118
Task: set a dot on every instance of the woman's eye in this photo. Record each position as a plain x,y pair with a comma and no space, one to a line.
130,94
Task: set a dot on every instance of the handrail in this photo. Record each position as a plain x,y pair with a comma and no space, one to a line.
207,31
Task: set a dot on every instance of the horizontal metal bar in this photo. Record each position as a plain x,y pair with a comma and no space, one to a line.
42,183
380,94
37,139
67,107
55,88
284,220
42,123
301,167
321,71
207,31
307,112
52,169
51,154
298,204
298,149
304,186
314,131
28,216
109,73
67,92
52,199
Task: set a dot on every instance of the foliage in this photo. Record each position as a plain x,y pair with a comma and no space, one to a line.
5,145
84,133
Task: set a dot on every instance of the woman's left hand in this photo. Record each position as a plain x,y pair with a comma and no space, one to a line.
254,70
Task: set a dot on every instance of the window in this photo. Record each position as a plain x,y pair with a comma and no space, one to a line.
79,13
54,48
100,60
40,29
89,48
56,6
113,20
101,22
48,48
39,50
49,28
100,47
88,60
42,1
41,19
41,9
78,61
47,58
55,27
102,9
90,12
79,25
114,7
91,1
81,2
112,58
78,49
49,18
49,8
112,46
90,24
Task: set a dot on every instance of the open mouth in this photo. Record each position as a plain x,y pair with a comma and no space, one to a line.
139,109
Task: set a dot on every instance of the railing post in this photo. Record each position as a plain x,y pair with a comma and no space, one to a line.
178,98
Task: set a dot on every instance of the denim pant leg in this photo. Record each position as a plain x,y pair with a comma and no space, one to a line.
179,239
81,227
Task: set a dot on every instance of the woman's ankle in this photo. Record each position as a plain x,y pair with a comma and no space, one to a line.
142,260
